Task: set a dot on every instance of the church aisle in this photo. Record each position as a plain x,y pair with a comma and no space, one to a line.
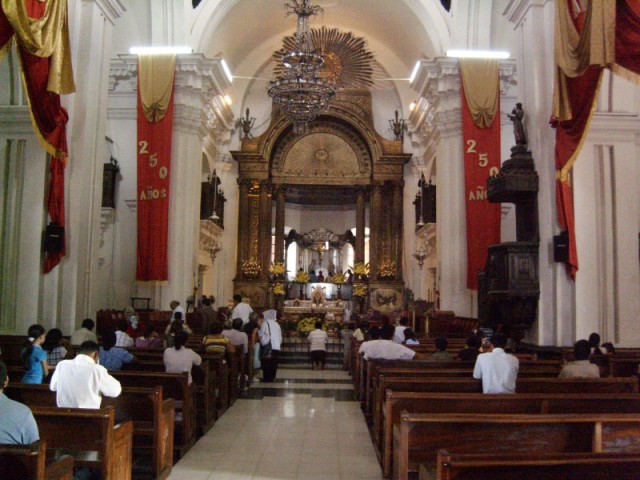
304,426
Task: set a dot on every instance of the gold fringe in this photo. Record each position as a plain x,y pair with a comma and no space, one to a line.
564,172
625,73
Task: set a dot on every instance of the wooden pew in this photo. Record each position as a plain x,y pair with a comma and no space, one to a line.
544,466
176,386
478,403
151,414
29,462
418,437
91,436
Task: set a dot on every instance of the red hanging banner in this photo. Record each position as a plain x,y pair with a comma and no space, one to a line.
154,166
481,159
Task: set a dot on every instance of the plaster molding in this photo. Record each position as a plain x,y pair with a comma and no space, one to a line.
15,120
132,205
516,10
111,9
607,128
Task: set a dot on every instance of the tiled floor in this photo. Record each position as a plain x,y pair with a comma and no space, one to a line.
306,428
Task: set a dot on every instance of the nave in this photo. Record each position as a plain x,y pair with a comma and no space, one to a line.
306,425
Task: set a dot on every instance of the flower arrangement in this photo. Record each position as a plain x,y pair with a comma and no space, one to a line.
360,290
277,268
308,324
338,279
278,289
361,268
302,277
250,268
387,270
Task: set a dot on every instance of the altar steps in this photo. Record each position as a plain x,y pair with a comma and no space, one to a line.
294,353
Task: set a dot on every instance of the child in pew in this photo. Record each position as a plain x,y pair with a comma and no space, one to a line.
581,367
34,358
112,357
410,337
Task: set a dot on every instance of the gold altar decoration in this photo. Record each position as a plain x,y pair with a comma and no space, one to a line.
347,61
308,325
277,268
387,270
302,277
361,268
278,289
360,290
250,268
338,279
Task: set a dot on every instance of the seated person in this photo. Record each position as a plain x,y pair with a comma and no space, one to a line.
441,354
216,342
149,339
81,382
410,337
177,325
374,337
112,357
122,337
387,349
17,425
398,334
608,347
471,352
34,358
179,359
236,336
594,341
497,369
362,331
580,367
54,345
84,333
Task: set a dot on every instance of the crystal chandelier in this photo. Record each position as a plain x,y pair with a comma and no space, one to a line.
300,92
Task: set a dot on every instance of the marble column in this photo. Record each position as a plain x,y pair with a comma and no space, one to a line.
280,223
360,226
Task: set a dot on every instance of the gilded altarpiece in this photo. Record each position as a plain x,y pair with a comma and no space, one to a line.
342,155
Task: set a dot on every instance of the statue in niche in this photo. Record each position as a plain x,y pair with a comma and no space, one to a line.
247,124
517,116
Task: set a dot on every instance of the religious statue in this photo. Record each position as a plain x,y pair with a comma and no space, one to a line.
517,115
247,124
398,127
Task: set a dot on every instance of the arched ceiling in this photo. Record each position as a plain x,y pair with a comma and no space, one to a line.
408,29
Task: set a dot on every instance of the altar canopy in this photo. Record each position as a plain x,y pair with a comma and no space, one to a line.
481,134
41,31
590,36
155,124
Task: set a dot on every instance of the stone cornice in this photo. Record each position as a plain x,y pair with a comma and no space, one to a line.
516,10
111,9
15,120
608,128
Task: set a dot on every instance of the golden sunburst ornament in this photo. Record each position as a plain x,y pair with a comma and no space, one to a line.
347,61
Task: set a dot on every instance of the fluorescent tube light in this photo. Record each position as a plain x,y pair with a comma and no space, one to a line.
415,72
159,50
478,54
226,69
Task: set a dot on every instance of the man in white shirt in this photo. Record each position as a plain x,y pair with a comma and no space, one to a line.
270,332
175,307
497,369
386,349
581,367
318,346
374,337
398,334
85,333
236,336
81,382
241,309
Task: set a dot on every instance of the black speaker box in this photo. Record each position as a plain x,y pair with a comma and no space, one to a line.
561,247
53,238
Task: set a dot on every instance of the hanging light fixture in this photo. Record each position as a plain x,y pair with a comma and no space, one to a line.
214,216
300,92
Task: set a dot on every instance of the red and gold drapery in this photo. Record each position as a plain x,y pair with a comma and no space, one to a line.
589,38
40,29
481,143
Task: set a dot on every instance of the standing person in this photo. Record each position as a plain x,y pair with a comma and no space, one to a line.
54,346
84,333
318,340
270,335
81,382
241,309
133,323
17,425
111,356
208,314
34,358
178,359
497,369
176,308
581,367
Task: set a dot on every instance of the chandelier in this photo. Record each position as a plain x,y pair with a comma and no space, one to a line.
299,91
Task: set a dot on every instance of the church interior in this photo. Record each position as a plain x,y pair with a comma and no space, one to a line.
333,160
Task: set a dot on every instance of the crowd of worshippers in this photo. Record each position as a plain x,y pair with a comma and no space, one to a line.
495,366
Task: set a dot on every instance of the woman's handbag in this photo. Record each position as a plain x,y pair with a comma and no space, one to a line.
266,352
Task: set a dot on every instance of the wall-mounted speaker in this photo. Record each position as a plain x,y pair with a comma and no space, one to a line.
561,247
53,238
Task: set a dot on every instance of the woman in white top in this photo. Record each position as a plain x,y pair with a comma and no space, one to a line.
178,358
318,340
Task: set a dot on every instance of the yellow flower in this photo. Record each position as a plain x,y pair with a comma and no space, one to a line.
278,289
250,268
338,279
361,268
360,290
301,277
277,268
